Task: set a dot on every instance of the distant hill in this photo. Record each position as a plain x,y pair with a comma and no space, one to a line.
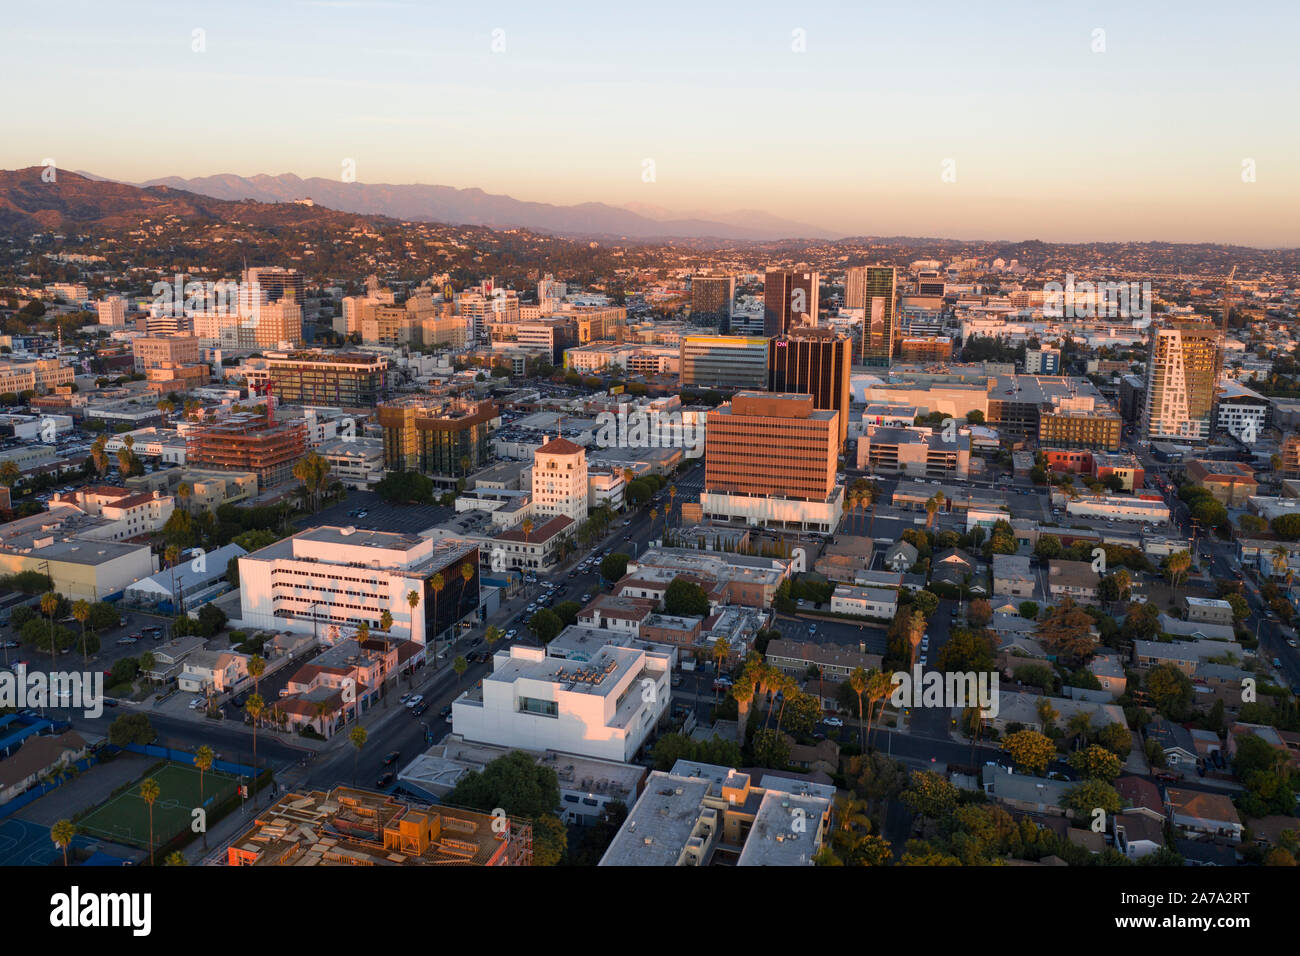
76,201
474,207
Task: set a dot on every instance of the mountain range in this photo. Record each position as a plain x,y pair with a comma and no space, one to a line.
474,207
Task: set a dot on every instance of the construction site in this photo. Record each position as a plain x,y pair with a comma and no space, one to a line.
350,827
250,442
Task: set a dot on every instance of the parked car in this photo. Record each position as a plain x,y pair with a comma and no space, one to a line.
833,722
391,757
414,700
385,780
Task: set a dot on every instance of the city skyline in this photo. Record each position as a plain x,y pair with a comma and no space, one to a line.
1026,133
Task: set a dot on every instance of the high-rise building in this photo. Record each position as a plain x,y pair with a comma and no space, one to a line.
318,377
1182,374
879,286
437,436
789,298
712,296
770,459
277,283
724,361
560,480
112,311
155,351
279,324
816,362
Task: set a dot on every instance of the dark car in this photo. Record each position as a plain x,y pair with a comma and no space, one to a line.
391,757
418,710
385,780
445,713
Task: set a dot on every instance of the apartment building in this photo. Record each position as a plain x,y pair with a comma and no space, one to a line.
1183,370
919,452
38,376
249,442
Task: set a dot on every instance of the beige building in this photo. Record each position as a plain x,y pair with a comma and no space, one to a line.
164,350
560,480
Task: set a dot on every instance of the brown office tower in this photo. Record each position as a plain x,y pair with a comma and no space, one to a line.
711,296
436,435
770,460
789,298
816,362
249,442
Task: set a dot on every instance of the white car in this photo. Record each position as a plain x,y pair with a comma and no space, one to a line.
510,634
415,700
833,722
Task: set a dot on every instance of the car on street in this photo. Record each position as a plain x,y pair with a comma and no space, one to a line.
414,700
404,698
385,780
586,598
510,634
391,757
445,713
833,722
126,640
419,711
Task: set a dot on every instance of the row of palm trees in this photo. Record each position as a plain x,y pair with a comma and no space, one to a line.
63,832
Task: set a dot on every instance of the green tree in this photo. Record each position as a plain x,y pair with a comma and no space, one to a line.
1096,763
62,833
929,795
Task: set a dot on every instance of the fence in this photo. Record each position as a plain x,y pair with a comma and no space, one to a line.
184,756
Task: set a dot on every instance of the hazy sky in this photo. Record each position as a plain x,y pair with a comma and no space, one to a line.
1047,138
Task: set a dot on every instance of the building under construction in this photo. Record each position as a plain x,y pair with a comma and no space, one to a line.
350,827
436,435
249,442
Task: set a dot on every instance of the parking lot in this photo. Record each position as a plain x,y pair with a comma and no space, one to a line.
378,515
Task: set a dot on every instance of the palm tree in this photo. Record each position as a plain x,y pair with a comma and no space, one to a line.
358,736
436,584
672,497
879,685
1078,727
1123,582
915,630
183,492
466,576
858,681
1178,563
721,652
743,690
81,611
62,833
254,707
149,791
931,509
256,668
49,605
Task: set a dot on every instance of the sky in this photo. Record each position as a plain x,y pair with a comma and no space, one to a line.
1013,120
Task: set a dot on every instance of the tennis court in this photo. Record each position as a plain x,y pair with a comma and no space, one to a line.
26,844
125,817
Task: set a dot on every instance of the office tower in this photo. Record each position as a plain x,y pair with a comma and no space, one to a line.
878,322
814,362
711,296
789,298
1042,361
319,377
724,361
1182,373
437,436
112,311
277,283
560,480
770,459
930,283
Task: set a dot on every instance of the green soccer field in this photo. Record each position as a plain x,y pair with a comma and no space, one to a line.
125,817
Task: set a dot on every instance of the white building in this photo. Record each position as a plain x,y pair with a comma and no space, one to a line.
112,311
1120,508
604,708
356,462
560,480
864,602
342,577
